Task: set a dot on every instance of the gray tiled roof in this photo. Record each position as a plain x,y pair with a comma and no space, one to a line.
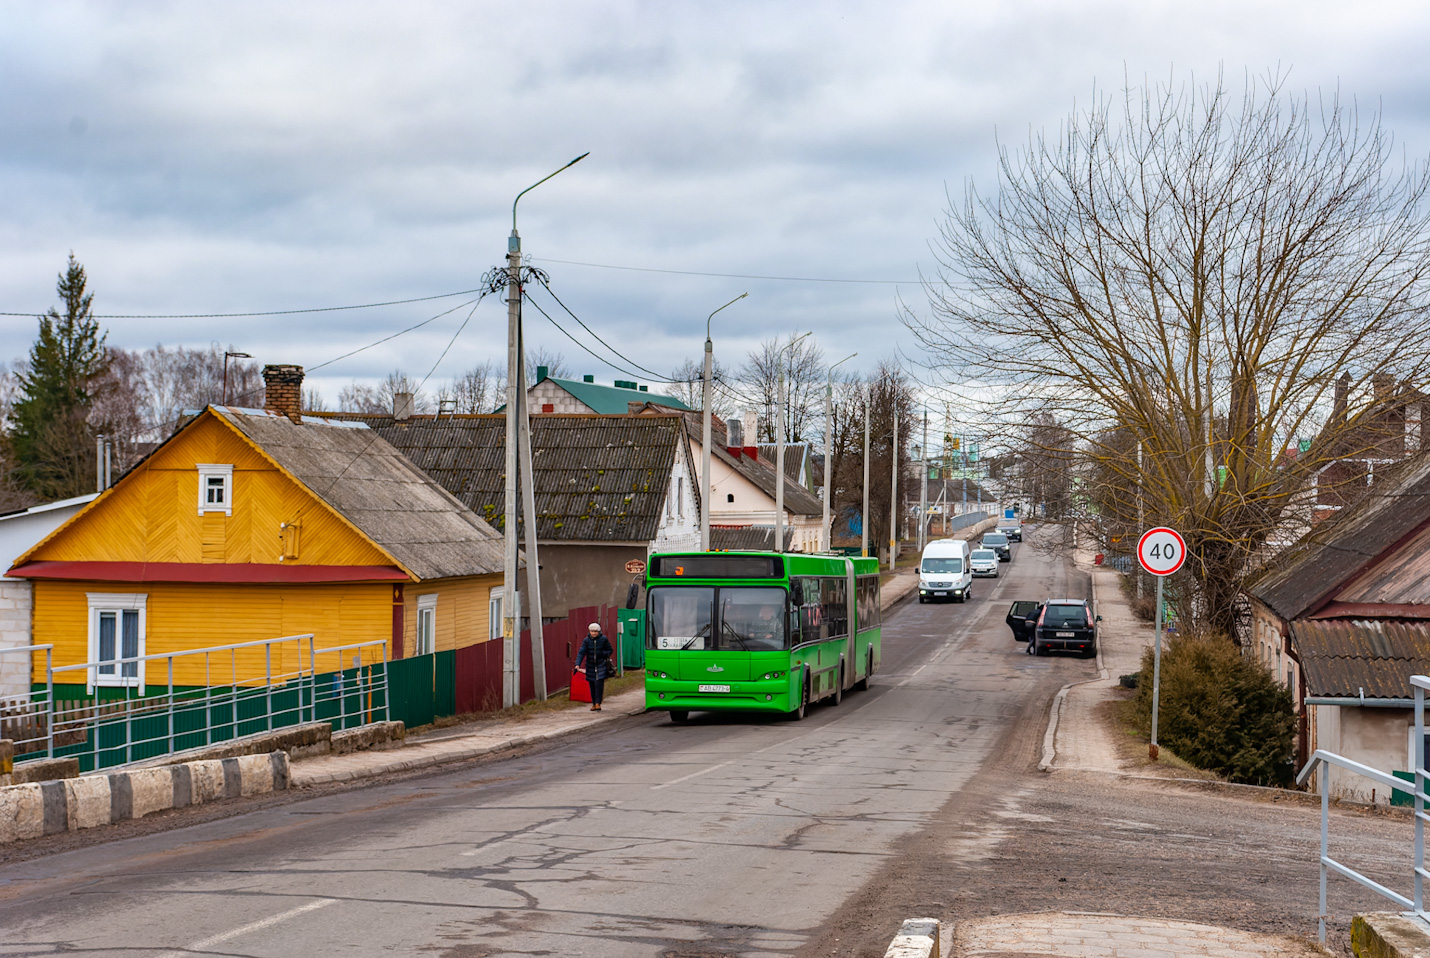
1348,657
747,538
598,478
373,486
1336,551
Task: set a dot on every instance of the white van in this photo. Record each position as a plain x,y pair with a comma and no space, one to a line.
944,572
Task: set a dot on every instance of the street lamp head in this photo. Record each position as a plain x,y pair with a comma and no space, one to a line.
712,316
515,244
228,355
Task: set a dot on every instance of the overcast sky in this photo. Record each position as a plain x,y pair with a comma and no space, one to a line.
209,158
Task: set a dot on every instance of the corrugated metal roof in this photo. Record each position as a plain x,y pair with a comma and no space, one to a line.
598,478
373,486
796,455
747,538
1345,657
612,400
1340,548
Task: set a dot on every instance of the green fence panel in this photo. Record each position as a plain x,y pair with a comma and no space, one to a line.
444,698
411,691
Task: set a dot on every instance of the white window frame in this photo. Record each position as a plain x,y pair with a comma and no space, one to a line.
118,603
426,624
212,470
496,611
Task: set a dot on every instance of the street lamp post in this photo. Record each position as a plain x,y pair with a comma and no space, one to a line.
705,434
517,425
864,516
780,444
829,448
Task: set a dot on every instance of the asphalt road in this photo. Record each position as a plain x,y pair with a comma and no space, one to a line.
725,836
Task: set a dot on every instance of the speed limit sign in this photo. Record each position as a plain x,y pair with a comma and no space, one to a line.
1161,551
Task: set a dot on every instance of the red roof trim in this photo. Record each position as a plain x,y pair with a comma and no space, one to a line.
237,573
1370,610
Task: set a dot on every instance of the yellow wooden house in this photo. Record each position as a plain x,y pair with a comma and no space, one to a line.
253,524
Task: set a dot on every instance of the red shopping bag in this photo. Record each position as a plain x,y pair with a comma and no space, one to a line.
580,688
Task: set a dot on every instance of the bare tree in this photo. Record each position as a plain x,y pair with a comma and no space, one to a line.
804,385
689,387
878,397
554,362
313,400
478,390
378,399
1188,280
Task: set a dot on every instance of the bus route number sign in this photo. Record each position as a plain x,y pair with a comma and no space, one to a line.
1161,551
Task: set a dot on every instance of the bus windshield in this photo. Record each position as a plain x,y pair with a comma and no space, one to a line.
751,619
943,565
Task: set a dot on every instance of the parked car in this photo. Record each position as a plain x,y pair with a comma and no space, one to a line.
1066,625
944,571
998,542
1023,618
1012,528
984,562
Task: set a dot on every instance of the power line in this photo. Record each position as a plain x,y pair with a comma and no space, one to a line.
583,346
272,312
409,329
692,272
614,351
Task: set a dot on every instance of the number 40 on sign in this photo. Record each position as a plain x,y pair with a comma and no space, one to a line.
1161,551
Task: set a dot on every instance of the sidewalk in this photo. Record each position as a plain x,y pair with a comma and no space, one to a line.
1078,735
1079,934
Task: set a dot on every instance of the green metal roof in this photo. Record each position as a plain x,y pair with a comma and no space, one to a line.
611,400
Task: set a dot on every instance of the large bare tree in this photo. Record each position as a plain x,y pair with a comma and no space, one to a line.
804,385
1189,280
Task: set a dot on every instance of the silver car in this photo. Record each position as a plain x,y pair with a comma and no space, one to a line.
983,562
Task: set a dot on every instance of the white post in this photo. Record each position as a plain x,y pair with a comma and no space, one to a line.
894,489
705,452
827,528
864,516
533,563
780,454
924,485
511,659
1156,669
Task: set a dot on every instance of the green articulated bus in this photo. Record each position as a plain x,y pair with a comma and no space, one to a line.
758,631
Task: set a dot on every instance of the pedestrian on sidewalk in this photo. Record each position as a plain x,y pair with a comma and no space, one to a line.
596,652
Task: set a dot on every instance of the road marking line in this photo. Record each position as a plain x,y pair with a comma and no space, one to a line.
249,928
686,778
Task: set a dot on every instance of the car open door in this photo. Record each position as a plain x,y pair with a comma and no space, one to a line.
1022,619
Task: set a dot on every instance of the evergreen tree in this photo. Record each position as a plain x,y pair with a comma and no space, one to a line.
51,441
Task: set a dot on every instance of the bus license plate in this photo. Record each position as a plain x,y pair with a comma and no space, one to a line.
1065,635
714,688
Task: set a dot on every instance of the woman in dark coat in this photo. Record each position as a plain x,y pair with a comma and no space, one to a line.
596,652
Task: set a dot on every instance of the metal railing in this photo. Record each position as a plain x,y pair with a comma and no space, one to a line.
117,720
1325,761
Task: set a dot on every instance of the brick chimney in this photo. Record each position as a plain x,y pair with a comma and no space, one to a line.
283,391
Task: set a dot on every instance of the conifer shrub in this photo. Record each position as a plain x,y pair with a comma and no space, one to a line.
1220,710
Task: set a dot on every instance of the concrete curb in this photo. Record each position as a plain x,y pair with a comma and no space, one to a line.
1389,935
917,938
47,808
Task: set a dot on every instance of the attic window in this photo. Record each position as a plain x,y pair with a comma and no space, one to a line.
215,488
730,497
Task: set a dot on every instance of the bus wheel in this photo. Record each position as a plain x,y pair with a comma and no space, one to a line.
839,686
863,684
678,716
798,714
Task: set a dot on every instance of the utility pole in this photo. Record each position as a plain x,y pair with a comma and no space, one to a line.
894,491
864,516
515,418
924,485
829,448
780,447
705,434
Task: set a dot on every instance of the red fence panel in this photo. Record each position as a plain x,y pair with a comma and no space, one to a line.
479,675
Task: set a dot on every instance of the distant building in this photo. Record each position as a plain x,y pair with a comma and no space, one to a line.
548,395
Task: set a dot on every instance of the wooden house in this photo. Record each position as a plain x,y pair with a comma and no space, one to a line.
253,524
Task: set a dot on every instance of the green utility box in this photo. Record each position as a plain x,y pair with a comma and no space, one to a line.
630,637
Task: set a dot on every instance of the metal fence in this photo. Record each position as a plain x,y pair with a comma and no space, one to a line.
119,715
1325,761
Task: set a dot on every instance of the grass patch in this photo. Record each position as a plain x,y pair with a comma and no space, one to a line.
1131,736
